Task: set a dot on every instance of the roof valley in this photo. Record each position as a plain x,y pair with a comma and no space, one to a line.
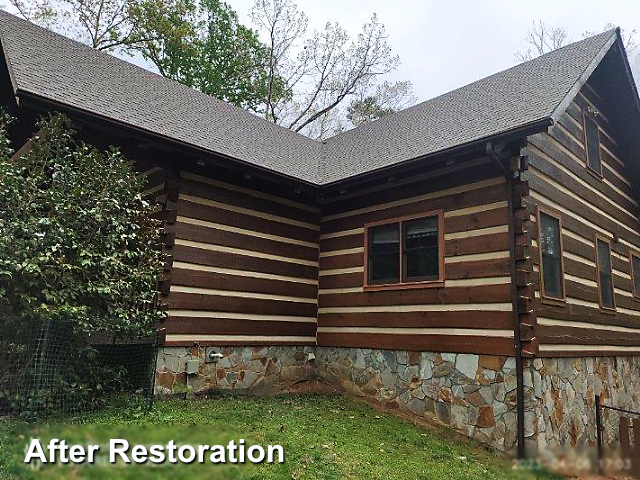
61,70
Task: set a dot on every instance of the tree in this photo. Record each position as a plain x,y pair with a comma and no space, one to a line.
103,24
81,254
78,241
543,38
318,71
214,53
285,27
199,43
388,98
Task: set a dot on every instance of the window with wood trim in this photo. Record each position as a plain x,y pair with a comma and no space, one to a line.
405,252
634,262
551,264
605,274
592,143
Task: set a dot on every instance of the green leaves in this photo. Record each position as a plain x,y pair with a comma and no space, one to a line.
201,44
79,245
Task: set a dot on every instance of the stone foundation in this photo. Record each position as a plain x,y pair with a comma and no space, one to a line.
472,394
244,370
564,399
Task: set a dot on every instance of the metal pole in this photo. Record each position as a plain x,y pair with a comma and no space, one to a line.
599,433
520,417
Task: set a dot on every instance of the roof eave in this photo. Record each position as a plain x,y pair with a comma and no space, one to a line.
29,96
7,62
521,131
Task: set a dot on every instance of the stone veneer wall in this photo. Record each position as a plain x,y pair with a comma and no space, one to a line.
255,370
564,399
473,394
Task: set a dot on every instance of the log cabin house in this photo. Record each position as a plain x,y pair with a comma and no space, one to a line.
474,259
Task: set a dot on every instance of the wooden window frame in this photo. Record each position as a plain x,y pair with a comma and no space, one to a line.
636,294
607,240
592,171
405,285
543,296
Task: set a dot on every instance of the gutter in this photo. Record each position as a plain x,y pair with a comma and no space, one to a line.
311,186
525,130
508,174
38,101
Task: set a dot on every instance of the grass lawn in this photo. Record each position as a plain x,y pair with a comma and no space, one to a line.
324,437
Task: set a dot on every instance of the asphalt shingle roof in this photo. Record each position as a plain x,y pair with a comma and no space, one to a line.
62,70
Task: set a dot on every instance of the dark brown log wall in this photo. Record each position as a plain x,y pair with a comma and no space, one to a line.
472,312
588,205
244,267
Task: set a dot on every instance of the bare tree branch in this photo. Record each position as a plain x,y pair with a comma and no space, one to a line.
328,68
542,39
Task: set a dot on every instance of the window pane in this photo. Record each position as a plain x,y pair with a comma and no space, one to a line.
384,254
551,256
421,259
635,270
604,270
604,257
606,290
593,143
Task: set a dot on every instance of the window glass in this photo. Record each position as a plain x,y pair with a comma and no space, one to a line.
384,254
592,137
421,259
551,250
604,271
404,251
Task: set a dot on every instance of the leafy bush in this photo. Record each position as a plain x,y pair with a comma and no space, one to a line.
80,253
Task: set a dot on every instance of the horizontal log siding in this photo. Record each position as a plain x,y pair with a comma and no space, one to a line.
155,176
558,179
470,313
245,267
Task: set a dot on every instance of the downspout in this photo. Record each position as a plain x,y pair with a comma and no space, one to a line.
508,175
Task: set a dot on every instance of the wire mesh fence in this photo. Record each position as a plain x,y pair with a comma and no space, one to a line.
47,370
618,432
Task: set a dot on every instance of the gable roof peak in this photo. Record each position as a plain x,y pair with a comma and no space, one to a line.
61,71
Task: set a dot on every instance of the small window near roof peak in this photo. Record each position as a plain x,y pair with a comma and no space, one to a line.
592,143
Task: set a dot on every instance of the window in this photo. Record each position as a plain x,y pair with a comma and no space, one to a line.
384,254
592,143
405,252
605,277
551,265
634,261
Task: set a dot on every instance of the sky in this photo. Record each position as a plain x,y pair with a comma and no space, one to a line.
447,44
444,45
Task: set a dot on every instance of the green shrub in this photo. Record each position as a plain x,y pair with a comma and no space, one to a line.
80,253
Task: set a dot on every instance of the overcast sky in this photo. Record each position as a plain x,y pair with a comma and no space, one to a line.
447,44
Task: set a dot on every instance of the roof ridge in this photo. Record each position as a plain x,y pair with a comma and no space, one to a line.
587,71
